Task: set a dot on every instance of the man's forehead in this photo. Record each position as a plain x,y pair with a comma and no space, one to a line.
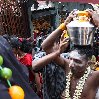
75,54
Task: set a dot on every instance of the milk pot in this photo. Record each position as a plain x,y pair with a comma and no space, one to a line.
81,30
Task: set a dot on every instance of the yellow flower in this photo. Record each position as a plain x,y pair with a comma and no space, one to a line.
97,69
65,34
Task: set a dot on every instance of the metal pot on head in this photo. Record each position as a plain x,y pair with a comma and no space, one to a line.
80,30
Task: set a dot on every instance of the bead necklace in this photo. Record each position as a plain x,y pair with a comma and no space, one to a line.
79,87
15,91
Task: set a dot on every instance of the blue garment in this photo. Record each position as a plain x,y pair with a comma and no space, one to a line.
54,78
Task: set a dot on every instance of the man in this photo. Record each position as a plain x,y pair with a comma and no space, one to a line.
82,83
53,75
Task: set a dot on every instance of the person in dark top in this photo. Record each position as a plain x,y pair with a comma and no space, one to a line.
22,50
19,76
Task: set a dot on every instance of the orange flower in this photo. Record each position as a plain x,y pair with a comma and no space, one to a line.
83,13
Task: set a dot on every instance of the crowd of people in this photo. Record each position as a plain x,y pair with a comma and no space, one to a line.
67,76
19,73
21,49
54,72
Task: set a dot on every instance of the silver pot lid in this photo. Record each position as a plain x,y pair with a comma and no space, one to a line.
76,23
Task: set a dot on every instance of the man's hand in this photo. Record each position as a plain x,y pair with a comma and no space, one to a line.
70,17
62,45
94,16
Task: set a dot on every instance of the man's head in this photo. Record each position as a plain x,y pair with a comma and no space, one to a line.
79,59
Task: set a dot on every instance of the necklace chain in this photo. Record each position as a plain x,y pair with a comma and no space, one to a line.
79,87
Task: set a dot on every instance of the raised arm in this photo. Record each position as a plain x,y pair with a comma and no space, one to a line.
49,41
48,44
53,56
42,62
95,17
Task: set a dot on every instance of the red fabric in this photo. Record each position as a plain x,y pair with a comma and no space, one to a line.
41,81
27,61
20,39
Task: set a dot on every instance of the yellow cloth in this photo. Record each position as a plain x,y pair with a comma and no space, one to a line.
62,26
65,34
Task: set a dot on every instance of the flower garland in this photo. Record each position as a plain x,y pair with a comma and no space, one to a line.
79,87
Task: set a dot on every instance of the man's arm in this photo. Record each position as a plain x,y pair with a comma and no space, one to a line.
48,45
95,17
53,56
49,41
41,62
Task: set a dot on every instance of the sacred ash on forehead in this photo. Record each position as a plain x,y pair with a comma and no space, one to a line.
75,54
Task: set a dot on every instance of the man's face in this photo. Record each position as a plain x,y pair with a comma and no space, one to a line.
77,62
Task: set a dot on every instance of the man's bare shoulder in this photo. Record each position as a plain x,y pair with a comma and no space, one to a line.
95,74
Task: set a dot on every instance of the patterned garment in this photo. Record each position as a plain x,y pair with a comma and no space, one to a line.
54,80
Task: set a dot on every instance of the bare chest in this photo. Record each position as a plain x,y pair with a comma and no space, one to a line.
87,90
